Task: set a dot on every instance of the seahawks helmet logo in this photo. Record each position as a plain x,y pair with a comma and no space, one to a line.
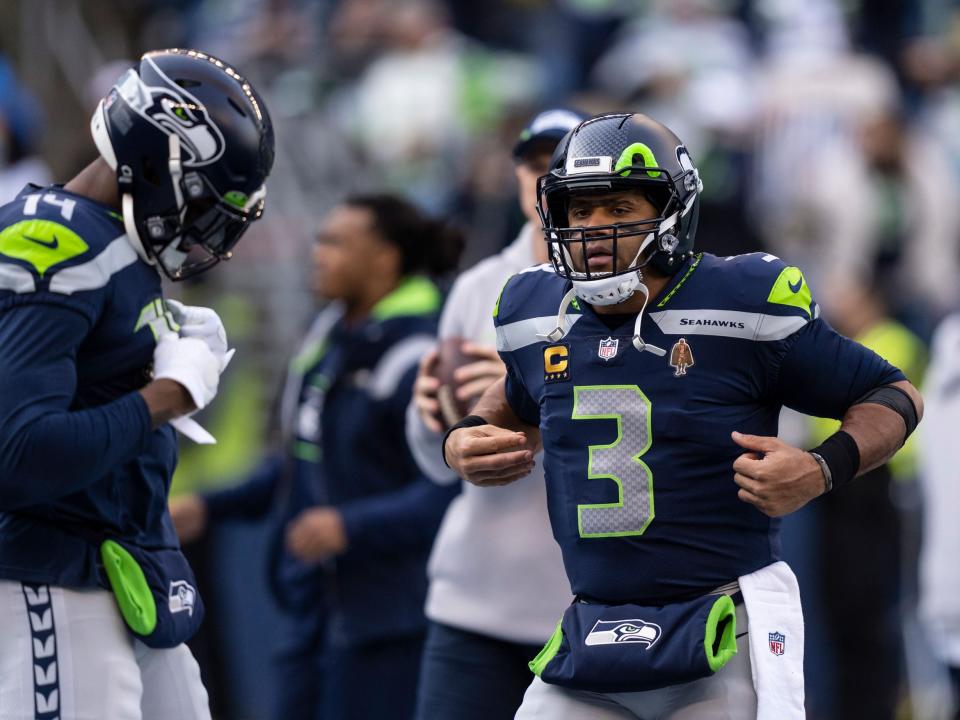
613,632
173,110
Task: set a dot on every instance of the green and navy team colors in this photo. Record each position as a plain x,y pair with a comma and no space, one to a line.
638,453
79,313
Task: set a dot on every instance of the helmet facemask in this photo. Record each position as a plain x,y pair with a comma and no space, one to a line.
201,228
570,247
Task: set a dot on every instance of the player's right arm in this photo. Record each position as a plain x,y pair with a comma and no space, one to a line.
47,449
499,452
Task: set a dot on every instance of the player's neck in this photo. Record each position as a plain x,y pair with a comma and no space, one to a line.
359,307
96,182
634,304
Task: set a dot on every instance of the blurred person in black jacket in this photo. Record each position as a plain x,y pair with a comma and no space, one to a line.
353,517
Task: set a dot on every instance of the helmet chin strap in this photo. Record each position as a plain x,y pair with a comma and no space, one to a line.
638,342
560,331
130,225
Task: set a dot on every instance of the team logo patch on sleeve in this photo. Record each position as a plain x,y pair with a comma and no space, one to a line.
608,348
556,363
681,357
778,642
612,632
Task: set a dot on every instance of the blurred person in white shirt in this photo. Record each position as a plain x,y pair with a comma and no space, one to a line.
940,482
497,583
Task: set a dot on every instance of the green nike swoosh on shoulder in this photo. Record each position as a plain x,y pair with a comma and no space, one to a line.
51,244
791,289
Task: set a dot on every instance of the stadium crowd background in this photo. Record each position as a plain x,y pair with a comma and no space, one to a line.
826,132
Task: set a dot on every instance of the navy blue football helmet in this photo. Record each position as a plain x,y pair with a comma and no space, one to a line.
192,144
610,153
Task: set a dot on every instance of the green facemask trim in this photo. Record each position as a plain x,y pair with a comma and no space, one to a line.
130,588
549,652
236,198
791,289
722,617
627,156
415,295
42,243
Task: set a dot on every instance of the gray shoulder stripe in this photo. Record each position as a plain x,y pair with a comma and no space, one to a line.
95,273
728,323
544,267
521,333
395,362
16,278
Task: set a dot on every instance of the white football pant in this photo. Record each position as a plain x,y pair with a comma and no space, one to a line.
67,655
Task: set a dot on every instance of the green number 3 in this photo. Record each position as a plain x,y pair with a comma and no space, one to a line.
619,461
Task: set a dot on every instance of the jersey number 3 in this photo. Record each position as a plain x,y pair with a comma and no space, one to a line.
619,461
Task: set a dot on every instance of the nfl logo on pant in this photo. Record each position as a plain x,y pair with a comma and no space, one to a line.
777,642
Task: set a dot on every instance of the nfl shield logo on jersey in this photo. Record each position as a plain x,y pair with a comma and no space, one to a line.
608,348
777,642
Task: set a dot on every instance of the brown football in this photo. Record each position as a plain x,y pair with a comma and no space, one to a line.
450,356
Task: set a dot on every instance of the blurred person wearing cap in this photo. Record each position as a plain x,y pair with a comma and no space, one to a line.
351,517
496,578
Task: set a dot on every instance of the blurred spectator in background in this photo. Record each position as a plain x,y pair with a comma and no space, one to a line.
691,65
20,129
940,482
860,559
899,194
417,105
354,519
497,583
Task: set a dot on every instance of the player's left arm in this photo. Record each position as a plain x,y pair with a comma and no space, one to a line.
822,373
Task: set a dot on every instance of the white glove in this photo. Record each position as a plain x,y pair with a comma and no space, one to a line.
205,324
190,362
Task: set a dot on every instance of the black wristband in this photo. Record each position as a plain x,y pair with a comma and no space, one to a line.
468,421
842,456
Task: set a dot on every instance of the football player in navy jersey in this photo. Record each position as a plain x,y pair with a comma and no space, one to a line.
96,600
653,377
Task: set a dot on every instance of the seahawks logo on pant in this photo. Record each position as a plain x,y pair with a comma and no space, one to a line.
612,632
46,681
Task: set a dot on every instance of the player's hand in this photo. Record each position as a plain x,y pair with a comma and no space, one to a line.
190,363
775,477
425,389
474,378
316,534
489,455
205,324
189,515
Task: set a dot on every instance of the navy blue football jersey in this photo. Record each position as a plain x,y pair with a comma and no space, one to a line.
637,448
79,317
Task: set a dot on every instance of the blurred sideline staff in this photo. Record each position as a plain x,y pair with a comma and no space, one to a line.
353,517
497,583
939,462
